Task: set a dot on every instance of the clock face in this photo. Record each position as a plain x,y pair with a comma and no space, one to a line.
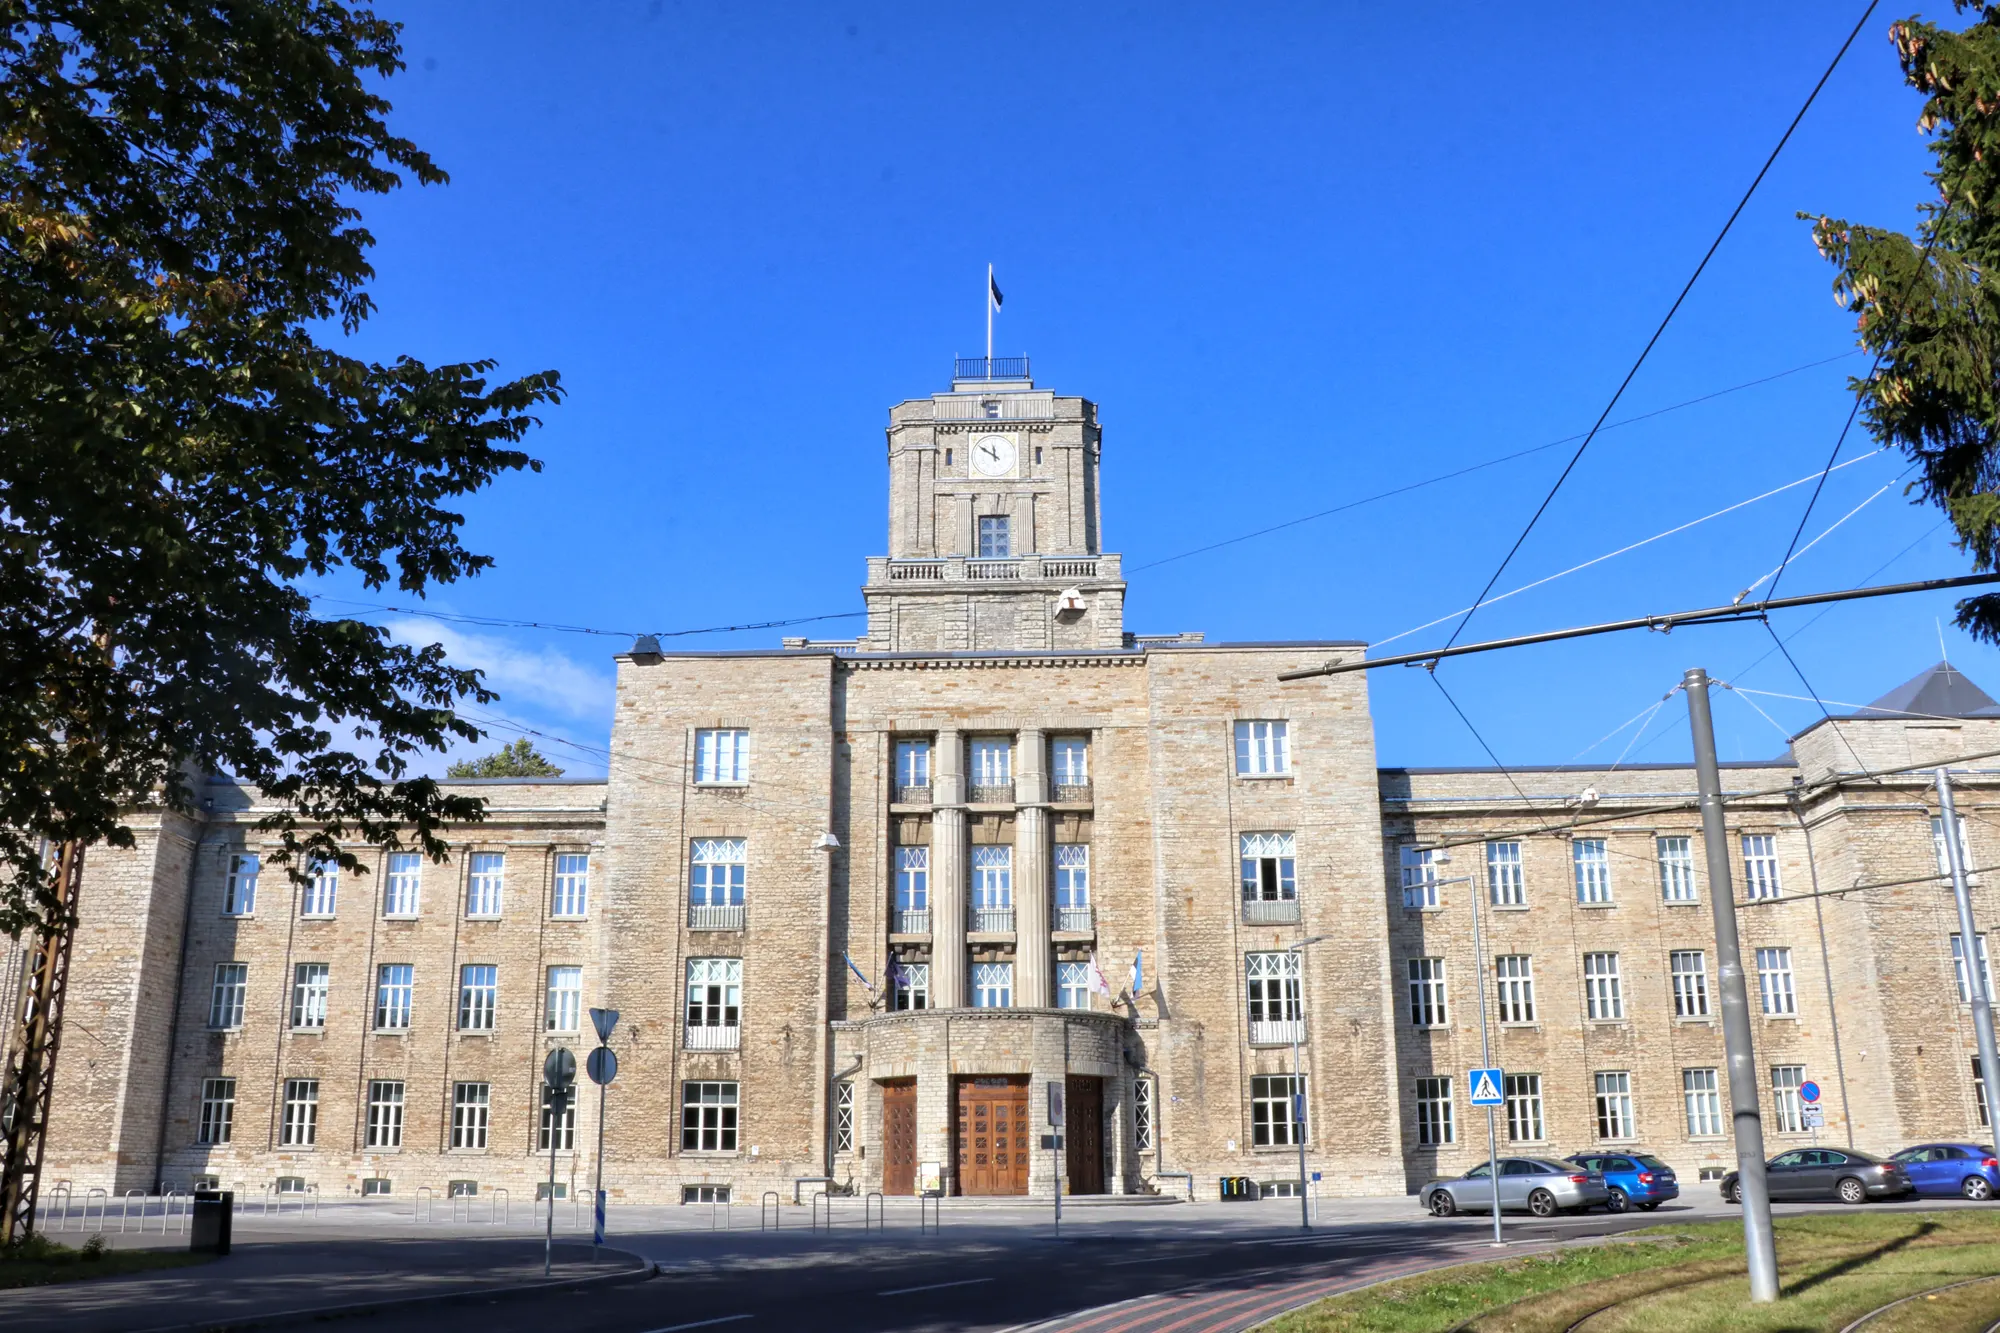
993,456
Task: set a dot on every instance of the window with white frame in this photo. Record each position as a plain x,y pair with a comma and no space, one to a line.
395,988
1274,1107
992,761
1263,749
218,1111
385,1113
1505,886
1142,1113
1760,866
564,1012
1270,867
400,886
1958,965
240,896
471,1115
913,766
1689,970
722,756
1420,878
708,1117
843,1116
1427,1001
992,985
232,982
992,884
1676,857
1072,886
1701,1093
911,984
1614,1105
714,998
1276,1008
718,871
913,890
310,983
1603,1000
1790,1110
298,1126
1072,985
321,890
478,996
571,897
994,537
1514,983
1774,982
1979,1092
1069,762
558,1121
1524,1107
1435,1127
1938,847
1591,858
483,884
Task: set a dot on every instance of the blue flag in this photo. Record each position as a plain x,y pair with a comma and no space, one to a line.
1138,973
857,972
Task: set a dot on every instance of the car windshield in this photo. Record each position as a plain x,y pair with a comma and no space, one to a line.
1912,1155
1651,1163
1476,1173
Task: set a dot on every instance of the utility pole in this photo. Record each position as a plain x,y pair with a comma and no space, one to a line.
1747,1119
31,1071
1298,951
1969,952
1485,1053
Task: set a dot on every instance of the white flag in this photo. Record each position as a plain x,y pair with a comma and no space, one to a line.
1098,984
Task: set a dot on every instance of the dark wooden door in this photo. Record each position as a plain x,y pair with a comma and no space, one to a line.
995,1137
899,1137
1083,1136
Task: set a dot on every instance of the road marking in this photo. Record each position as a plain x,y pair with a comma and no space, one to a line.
934,1286
702,1323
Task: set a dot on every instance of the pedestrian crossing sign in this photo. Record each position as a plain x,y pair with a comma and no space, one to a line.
1485,1085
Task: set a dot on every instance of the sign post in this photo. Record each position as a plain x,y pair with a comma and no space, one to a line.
558,1085
1054,1138
1814,1118
1487,1087
602,1066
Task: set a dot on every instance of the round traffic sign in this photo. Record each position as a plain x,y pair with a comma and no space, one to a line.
1809,1092
601,1064
559,1070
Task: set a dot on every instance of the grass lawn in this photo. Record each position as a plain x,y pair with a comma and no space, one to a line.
1832,1268
42,1260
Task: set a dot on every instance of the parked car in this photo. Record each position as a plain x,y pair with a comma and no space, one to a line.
1952,1168
1828,1173
1534,1184
1635,1179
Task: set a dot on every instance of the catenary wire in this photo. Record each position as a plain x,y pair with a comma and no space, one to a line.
1864,581
503,622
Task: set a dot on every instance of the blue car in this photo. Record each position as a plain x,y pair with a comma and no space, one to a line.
1952,1168
1637,1180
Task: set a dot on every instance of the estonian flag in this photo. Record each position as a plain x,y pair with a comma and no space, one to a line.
1138,973
993,288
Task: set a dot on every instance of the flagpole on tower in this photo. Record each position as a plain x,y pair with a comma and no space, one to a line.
989,321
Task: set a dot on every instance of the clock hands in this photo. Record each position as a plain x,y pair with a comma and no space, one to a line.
988,450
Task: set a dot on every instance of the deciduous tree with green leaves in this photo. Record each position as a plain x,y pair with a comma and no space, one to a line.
519,760
181,438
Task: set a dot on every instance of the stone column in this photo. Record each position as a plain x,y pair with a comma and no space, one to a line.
1032,918
948,871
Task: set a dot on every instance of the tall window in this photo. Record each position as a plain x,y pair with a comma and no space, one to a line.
1791,1112
1420,877
1701,1092
722,755
572,887
1514,979
309,988
1602,998
1072,985
218,1111
1142,1113
1274,1107
913,887
1979,1091
478,996
565,1006
322,889
1427,1004
1263,749
1614,1105
1958,965
1938,848
399,889
1504,884
225,1001
992,883
482,887
1270,867
471,1113
911,983
913,765
1760,866
992,761
395,984
385,1113
994,543
1774,982
558,1126
299,1127
1072,886
843,1116
1069,762
718,871
1676,869
715,995
1689,970
1592,861
708,1117
240,897
1434,1119
1276,1007
992,985
1524,1107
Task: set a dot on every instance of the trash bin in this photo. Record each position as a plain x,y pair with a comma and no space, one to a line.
209,1231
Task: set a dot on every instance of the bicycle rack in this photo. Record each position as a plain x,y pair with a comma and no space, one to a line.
60,1190
458,1199
933,1205
713,1205
312,1192
575,1210
496,1212
426,1196
125,1209
881,1211
776,1203
103,1198
818,1197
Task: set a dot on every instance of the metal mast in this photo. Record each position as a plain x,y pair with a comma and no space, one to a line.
31,1064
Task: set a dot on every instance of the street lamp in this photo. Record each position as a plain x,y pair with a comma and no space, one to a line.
1443,857
1298,1083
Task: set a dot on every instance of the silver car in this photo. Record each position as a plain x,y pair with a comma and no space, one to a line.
1527,1184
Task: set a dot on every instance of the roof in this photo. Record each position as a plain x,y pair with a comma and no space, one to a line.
1939,691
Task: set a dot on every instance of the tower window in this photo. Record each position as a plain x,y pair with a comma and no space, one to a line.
993,538
1038,454
947,458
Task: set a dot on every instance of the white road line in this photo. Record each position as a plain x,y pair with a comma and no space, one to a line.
702,1323
935,1286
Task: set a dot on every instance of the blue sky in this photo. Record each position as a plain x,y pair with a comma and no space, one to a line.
1298,254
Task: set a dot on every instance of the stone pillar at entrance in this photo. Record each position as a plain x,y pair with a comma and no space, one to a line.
1032,916
948,868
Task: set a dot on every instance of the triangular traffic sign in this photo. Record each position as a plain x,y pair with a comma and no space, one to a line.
1483,1089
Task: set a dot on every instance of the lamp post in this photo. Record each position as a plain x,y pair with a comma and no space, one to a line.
1298,1081
1443,857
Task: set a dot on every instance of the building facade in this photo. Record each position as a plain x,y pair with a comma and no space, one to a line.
881,914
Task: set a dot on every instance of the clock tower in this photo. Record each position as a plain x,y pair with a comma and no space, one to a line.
994,522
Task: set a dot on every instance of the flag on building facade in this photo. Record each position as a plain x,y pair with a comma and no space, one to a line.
1138,973
1098,985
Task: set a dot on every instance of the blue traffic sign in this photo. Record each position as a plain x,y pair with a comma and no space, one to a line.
1486,1087
1809,1092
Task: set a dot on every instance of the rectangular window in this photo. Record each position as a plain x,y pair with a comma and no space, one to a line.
310,982
232,980
1676,869
1434,1119
843,1116
992,762
1142,1113
1614,1105
1689,969
1701,1091
300,1126
722,755
399,890
1760,866
218,1111
1514,980
1504,884
1790,1111
1275,1106
714,1003
559,1125
1592,860
565,1007
1427,1004
1979,1091
1069,762
994,543
1420,878
993,888
482,887
1524,1107
1277,1011
913,767
571,898
395,986
385,1113
322,889
718,871
1958,964
1072,886
708,1117
992,985
1938,847
1072,985
471,1112
240,898
1263,749
1774,982
478,996
911,983
1270,867
913,891
1602,998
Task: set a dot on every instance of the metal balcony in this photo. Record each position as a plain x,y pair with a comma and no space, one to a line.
1000,793
715,916
1270,911
715,1038
1070,791
989,368
990,921
915,921
1073,919
1276,1032
913,795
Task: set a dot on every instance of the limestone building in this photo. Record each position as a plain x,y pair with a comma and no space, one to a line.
865,907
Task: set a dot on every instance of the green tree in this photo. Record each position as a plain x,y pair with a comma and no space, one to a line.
1923,302
519,760
181,440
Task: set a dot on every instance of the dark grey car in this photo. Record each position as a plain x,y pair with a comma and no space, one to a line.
1536,1185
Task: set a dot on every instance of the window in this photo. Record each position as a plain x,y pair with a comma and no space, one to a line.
993,888
1420,876
225,1002
399,890
1072,985
992,762
1614,1105
1072,886
1275,1103
911,984
913,765
1958,965
240,898
300,1126
1791,1112
1676,869
1760,866
708,1117
718,872
1142,1113
1774,982
394,985
709,1193
557,1124
1979,1091
565,1008
1504,885
913,890
1069,762
1427,1006
722,755
1689,969
1700,1091
1434,1121
461,1189
1263,749
1593,870
1938,848
843,1117
373,1187
309,987
478,996
218,1111
714,1002
385,1114
482,888
471,1109
1601,996
1514,979
1277,1010
1270,867
572,887
1524,1107
993,537
992,985
322,888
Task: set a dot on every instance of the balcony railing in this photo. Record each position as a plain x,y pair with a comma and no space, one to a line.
1270,911
1058,569
993,569
715,916
990,920
990,368
907,921
1070,791
913,795
1068,569
1013,406
1073,918
1278,1032
998,793
917,571
716,1038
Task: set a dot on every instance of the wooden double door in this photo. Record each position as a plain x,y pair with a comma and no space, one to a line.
1083,1134
996,1135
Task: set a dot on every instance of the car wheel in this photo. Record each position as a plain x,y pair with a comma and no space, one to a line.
1976,1187
1618,1202
1732,1193
1442,1204
1851,1190
1543,1204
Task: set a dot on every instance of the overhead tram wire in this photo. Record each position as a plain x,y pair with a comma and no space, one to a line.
503,622
1863,582
1646,351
